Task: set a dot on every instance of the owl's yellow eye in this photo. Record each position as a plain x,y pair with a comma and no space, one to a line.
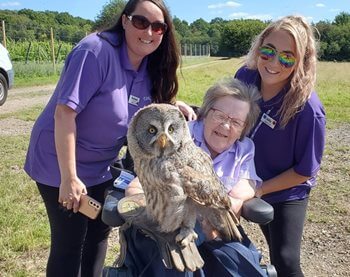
171,129
152,130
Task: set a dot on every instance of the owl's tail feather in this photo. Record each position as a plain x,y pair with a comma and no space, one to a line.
229,232
233,225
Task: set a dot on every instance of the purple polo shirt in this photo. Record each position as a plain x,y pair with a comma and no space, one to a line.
99,83
299,145
233,164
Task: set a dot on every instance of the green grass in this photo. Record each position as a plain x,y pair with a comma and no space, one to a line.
333,88
29,114
195,79
23,225
24,232
33,74
37,81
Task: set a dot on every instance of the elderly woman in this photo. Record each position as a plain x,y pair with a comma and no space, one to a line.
228,113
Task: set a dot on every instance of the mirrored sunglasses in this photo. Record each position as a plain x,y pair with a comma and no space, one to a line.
140,22
286,59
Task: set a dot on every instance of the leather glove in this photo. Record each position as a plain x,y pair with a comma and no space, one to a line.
132,209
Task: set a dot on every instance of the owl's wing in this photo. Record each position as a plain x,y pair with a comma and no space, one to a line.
201,182
204,187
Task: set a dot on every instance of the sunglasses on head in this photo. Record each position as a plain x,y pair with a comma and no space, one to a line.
140,22
286,59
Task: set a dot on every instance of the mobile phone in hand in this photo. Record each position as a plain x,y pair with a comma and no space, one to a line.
89,206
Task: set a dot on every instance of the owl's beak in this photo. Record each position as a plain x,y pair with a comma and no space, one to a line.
162,141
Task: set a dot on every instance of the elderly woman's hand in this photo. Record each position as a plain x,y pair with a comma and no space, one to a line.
186,110
236,205
208,230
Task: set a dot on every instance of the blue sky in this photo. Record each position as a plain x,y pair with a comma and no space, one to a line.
191,10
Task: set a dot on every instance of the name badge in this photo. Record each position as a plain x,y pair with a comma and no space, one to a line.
268,120
123,180
134,100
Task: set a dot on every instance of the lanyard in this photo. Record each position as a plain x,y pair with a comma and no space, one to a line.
259,124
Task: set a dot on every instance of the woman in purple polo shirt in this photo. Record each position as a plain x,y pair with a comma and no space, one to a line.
290,135
107,77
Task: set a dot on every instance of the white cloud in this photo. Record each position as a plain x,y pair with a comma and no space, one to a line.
320,5
10,4
243,15
229,4
335,10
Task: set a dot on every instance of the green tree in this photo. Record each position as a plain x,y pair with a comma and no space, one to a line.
237,36
64,19
215,38
199,35
334,39
182,29
200,25
31,25
215,32
109,14
342,19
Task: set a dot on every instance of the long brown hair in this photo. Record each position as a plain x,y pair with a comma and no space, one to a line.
303,78
164,61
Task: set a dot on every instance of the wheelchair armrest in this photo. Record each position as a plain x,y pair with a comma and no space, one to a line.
257,210
110,214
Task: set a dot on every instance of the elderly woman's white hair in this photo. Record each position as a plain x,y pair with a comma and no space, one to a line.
238,90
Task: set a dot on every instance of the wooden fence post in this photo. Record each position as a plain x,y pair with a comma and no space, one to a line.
28,51
3,34
53,52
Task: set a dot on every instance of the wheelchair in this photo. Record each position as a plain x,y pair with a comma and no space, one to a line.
254,210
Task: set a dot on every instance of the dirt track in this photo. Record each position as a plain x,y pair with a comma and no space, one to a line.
21,99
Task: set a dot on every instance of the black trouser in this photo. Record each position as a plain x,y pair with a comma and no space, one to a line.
78,244
284,236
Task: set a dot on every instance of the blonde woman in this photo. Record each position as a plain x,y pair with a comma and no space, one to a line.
290,135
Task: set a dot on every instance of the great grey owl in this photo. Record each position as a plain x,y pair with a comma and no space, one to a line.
177,177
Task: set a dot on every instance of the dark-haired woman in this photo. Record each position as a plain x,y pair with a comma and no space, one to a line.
107,77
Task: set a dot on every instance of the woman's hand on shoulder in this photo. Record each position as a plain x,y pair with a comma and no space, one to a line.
188,112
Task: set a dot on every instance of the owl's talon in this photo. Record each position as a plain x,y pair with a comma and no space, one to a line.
186,236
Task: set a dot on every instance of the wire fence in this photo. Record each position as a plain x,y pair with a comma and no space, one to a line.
195,49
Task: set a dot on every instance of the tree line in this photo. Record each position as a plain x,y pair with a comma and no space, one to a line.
229,38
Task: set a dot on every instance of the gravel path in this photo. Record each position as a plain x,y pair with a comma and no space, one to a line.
21,99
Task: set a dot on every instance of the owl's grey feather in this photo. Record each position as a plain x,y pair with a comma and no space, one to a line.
177,176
